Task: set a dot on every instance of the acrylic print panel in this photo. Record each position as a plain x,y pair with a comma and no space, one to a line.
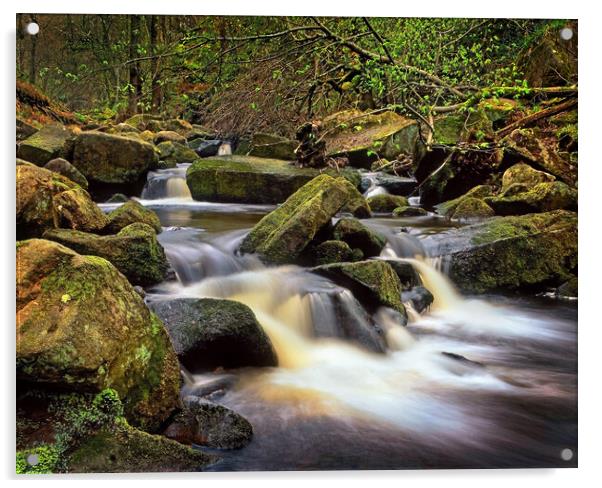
295,243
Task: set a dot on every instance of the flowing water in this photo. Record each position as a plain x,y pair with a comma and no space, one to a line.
487,381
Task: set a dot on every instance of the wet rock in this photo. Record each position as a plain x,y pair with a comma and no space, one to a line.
543,197
420,298
65,168
108,158
76,210
273,147
209,333
205,148
405,272
129,213
334,251
407,211
356,204
569,289
46,144
209,424
283,234
386,203
357,235
134,251
470,208
168,135
397,185
82,327
118,198
373,282
524,174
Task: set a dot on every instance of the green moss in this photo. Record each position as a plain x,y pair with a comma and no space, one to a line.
480,191
472,208
38,460
386,203
543,197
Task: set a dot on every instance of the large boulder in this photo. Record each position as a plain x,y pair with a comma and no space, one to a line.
65,168
209,333
543,197
358,236
108,158
247,179
471,208
36,188
272,146
131,212
46,144
374,282
283,234
363,138
76,210
385,203
175,153
525,175
134,250
529,251
82,327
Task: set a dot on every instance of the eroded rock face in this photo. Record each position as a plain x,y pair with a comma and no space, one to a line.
82,327
283,234
134,251
108,158
46,144
209,333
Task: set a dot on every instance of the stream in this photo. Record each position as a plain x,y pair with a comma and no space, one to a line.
483,381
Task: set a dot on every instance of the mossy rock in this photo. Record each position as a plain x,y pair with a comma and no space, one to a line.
386,203
407,211
134,250
363,138
36,189
140,121
168,135
129,213
210,333
471,208
65,168
448,208
82,327
541,150
525,175
530,251
454,128
108,158
180,126
282,235
76,210
48,143
332,251
247,179
374,283
541,198
273,147
357,235
356,203
174,153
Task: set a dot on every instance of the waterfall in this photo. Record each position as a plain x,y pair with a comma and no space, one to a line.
225,149
167,184
373,188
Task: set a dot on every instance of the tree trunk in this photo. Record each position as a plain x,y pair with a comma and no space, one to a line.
135,77
156,37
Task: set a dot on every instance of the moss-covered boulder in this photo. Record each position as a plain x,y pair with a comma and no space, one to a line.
524,174
374,283
175,153
109,158
82,327
451,129
131,212
209,333
363,138
180,126
541,150
65,168
36,189
407,211
247,179
46,144
541,198
356,203
530,251
385,203
448,208
272,146
134,251
283,234
332,251
76,210
471,208
168,135
358,236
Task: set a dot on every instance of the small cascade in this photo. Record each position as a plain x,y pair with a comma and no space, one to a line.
373,186
444,293
225,149
167,184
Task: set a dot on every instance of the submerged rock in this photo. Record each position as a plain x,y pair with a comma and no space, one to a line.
386,203
407,211
65,168
209,333
46,144
542,197
533,251
82,327
373,282
357,235
108,158
134,251
283,234
129,213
